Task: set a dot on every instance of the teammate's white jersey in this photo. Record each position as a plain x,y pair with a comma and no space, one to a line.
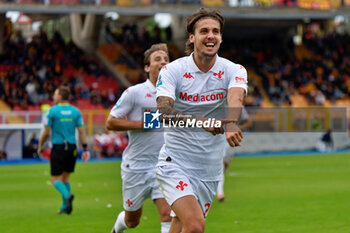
142,152
201,94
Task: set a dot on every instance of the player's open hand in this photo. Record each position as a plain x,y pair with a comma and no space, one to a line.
85,156
234,135
40,150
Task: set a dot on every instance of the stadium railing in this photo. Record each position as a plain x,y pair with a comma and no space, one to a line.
273,129
286,119
94,119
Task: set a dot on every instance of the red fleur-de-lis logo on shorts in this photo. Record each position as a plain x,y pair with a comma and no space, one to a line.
188,75
219,74
129,203
181,185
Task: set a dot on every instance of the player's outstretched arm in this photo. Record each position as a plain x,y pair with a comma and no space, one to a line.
119,124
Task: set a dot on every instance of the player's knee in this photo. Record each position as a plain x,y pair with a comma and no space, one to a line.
165,215
165,218
132,223
195,226
195,229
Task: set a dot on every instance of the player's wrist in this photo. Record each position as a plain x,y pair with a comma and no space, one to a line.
231,123
85,147
232,127
140,125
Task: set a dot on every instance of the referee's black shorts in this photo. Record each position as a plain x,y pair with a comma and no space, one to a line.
63,158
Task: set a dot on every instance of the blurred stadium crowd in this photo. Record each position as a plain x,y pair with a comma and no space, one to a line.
319,70
135,40
309,4
315,73
109,144
30,72
281,72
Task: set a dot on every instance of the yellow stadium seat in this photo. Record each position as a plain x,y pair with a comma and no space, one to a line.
124,3
213,2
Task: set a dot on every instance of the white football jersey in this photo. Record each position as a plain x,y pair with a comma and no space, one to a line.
142,152
200,94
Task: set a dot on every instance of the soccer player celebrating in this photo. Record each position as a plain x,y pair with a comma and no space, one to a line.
62,120
198,87
141,155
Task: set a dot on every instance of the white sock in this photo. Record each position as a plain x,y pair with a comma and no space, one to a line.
220,190
165,227
120,225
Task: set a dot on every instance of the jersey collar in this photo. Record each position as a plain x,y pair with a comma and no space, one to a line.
63,104
194,68
151,86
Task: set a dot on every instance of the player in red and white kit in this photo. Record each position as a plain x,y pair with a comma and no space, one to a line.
141,155
197,87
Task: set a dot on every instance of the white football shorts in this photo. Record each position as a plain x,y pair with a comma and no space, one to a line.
175,183
137,187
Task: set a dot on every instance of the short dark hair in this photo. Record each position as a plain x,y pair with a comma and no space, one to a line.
64,92
154,48
194,18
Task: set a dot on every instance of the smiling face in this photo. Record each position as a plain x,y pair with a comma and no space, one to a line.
158,59
206,37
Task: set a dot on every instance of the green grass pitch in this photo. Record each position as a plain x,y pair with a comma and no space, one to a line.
277,194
